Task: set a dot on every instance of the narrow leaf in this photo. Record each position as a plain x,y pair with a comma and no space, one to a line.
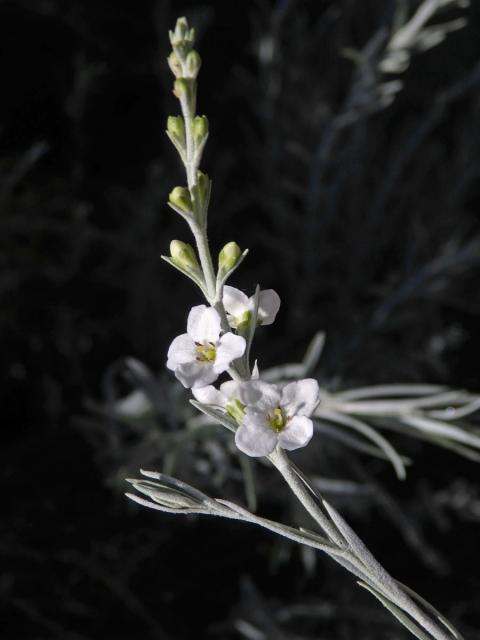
398,613
369,433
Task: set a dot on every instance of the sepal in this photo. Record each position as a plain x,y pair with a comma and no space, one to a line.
222,418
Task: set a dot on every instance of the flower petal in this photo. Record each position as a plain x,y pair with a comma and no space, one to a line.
231,390
229,348
235,301
181,351
196,374
254,438
209,395
300,398
261,396
296,434
268,306
203,324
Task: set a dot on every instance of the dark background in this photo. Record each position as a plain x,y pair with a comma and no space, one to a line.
369,231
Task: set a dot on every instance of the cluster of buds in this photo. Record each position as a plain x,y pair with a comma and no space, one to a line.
188,133
184,61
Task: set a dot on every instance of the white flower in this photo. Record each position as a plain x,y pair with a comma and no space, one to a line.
199,356
239,308
231,396
220,397
278,417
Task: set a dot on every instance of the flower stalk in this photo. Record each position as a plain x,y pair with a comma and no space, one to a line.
267,419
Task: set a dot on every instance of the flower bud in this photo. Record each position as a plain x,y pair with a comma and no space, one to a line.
180,198
201,190
193,64
185,89
181,87
181,33
199,129
175,64
176,129
229,256
183,255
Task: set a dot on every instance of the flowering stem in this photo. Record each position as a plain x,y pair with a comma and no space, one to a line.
343,544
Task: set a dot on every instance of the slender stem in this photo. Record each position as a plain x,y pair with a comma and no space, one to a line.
282,464
201,239
378,578
401,599
191,163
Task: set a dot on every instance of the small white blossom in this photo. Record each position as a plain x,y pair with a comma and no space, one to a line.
240,308
231,396
278,416
199,356
219,398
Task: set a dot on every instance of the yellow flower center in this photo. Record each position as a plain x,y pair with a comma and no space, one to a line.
206,352
277,420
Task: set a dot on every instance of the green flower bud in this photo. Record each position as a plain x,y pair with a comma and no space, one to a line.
199,129
175,65
176,129
181,87
193,64
180,198
186,89
184,255
229,256
201,190
181,33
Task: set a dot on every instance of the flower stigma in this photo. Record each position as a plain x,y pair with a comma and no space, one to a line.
277,420
206,351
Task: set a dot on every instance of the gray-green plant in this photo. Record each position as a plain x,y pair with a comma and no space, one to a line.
260,414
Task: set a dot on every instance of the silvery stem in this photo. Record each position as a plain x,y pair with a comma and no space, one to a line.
283,465
201,241
378,578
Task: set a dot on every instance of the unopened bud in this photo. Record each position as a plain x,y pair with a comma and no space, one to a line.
201,190
229,256
180,198
199,129
176,129
183,255
175,64
181,87
181,33
193,64
185,89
